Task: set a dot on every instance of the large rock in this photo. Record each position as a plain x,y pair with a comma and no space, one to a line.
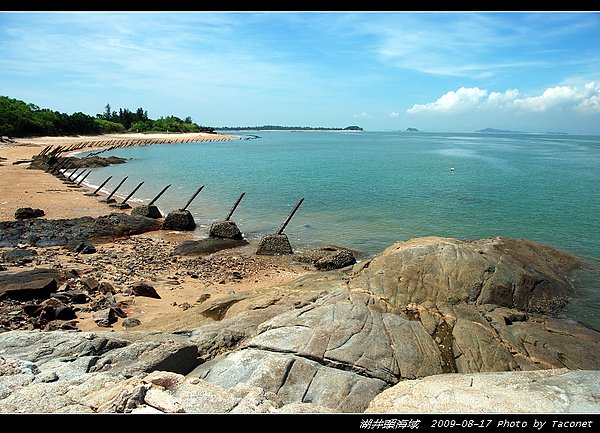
62,372
335,352
274,245
44,232
163,392
144,289
28,213
327,257
344,341
320,340
147,211
81,247
28,285
225,229
548,391
506,272
45,162
23,255
181,220
105,318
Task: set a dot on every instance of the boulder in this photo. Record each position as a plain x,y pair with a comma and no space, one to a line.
105,318
84,247
144,289
327,257
147,211
274,245
91,284
45,162
225,229
65,312
24,255
131,322
72,296
181,220
28,213
322,340
106,288
39,288
44,232
150,353
547,391
514,273
336,352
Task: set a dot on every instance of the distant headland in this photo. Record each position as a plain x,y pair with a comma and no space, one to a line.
286,128
498,131
506,131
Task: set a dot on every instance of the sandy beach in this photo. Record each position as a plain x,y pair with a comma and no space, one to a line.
33,188
127,260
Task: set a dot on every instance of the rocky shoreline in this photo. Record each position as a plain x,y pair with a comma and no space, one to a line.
335,341
114,314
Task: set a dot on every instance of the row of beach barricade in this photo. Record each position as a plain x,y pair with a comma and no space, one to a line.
181,219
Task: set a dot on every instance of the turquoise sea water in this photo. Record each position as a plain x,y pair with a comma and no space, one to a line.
366,190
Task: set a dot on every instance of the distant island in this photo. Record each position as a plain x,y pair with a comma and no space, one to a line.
498,131
506,131
412,129
286,128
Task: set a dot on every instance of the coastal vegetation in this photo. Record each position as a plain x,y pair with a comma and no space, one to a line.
21,119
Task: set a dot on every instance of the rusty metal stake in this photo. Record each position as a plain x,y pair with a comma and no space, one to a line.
132,192
100,187
234,206
107,199
159,194
193,197
285,223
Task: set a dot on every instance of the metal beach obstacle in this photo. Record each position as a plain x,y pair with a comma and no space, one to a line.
66,168
83,178
69,178
74,183
227,229
235,205
109,199
193,197
288,219
124,204
149,210
99,188
278,242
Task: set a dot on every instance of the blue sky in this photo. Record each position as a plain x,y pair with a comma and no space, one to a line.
454,72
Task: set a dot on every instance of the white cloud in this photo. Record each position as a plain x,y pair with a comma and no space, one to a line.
394,114
584,99
363,114
563,97
461,100
503,100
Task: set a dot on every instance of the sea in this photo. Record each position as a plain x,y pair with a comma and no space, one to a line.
367,190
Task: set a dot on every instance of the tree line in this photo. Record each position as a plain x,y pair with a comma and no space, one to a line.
21,119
